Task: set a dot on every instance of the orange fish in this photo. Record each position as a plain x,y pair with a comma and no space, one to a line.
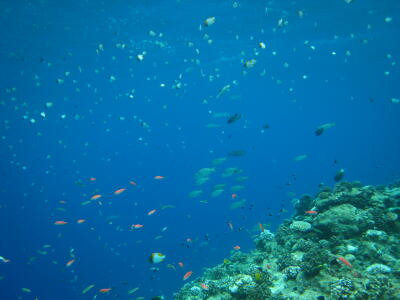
151,212
234,196
105,290
181,264
159,177
136,226
60,223
261,227
236,247
187,275
345,261
132,182
311,212
95,197
204,286
80,221
119,191
92,179
69,263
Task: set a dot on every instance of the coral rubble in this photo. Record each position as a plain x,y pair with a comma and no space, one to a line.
341,244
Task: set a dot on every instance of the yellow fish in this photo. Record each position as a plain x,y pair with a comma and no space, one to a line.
156,257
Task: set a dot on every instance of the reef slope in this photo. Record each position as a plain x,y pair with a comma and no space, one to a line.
341,244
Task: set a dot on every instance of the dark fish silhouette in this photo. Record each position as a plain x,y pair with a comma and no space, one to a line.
233,118
339,175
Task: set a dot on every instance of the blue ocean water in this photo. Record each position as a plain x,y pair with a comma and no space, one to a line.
122,91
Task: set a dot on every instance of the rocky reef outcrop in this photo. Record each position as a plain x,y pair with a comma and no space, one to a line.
344,243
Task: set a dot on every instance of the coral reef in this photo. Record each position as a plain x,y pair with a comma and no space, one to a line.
341,244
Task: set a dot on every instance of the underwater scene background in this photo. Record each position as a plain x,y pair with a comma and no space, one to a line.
144,142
